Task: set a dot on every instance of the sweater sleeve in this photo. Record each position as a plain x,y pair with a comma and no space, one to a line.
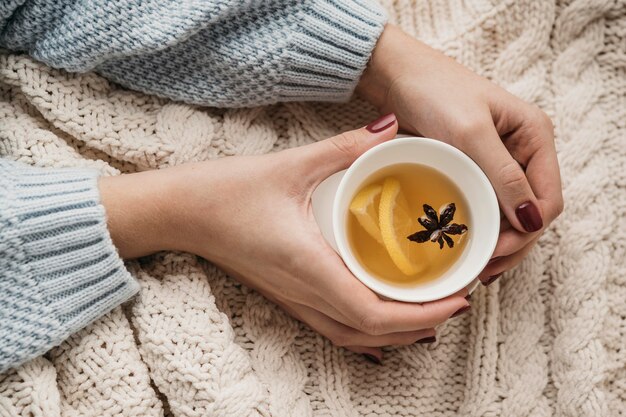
59,270
221,53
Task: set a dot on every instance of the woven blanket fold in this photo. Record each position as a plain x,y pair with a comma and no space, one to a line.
548,339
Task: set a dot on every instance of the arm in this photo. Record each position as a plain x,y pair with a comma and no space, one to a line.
217,53
59,270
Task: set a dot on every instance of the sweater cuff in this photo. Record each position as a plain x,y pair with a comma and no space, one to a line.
330,48
66,271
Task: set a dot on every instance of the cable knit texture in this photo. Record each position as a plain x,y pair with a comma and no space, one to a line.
223,53
548,339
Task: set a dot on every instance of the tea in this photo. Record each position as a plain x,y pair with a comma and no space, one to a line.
408,224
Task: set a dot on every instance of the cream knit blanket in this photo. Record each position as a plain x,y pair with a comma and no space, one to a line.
548,339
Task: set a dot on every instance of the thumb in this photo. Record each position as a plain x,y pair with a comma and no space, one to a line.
324,158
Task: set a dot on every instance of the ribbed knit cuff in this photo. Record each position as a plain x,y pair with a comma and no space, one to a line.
61,270
330,48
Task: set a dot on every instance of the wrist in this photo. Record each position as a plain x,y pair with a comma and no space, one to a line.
138,210
396,54
380,72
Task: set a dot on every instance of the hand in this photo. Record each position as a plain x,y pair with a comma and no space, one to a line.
512,141
252,216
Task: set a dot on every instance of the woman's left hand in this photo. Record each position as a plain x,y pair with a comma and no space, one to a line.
511,140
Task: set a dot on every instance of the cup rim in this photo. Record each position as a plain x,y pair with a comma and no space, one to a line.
374,283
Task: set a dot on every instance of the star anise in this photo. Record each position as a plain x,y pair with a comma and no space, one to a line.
438,228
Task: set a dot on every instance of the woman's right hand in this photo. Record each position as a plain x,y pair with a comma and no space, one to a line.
511,140
252,217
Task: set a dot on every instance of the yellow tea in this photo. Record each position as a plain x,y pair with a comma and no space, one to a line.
408,223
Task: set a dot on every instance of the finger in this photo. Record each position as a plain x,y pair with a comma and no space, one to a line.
511,241
326,157
497,266
515,195
337,315
534,147
365,311
323,305
374,355
544,177
341,335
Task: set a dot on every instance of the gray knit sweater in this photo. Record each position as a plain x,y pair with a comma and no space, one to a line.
59,270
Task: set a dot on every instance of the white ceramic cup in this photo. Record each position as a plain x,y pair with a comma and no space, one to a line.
332,198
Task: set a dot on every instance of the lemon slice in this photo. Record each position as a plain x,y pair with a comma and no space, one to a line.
395,226
365,210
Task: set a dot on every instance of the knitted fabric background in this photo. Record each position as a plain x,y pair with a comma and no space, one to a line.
547,339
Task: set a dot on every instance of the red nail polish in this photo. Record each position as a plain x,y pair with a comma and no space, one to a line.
461,311
382,123
429,339
491,280
372,358
528,215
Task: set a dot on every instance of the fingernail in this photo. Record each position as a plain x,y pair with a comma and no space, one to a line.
372,358
461,311
491,280
382,123
468,297
429,339
528,215
492,260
